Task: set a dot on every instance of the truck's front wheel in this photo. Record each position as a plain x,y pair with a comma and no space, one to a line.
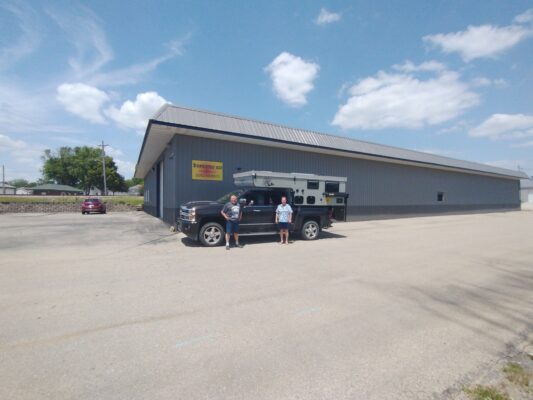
310,230
211,234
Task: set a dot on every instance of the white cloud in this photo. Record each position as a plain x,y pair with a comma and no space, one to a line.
84,30
22,159
483,41
325,17
481,82
525,17
428,66
292,78
111,151
134,73
83,100
29,37
135,114
8,144
505,126
125,168
401,100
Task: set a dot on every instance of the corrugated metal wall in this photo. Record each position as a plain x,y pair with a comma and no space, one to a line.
374,187
168,160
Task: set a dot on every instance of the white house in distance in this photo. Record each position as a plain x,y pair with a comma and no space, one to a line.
7,189
22,191
526,191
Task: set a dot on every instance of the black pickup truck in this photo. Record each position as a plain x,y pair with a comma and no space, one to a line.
202,221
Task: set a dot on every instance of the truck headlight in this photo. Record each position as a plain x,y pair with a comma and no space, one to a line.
192,215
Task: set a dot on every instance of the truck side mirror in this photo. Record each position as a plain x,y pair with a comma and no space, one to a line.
242,201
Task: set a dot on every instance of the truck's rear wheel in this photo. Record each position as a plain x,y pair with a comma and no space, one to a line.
211,234
310,230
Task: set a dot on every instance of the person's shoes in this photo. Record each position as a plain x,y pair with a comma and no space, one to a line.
280,242
227,247
239,245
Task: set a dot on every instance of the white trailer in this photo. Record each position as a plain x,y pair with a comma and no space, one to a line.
308,189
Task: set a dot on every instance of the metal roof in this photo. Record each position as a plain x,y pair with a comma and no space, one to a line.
187,121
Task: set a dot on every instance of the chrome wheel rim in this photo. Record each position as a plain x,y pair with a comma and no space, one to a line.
311,231
212,235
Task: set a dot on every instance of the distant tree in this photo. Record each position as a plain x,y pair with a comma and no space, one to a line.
18,183
81,167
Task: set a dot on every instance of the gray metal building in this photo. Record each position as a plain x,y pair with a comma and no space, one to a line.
382,180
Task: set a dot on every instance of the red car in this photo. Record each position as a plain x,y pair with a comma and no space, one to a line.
93,205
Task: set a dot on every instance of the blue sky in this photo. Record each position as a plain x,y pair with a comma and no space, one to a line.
448,77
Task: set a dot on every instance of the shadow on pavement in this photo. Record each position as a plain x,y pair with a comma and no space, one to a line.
254,240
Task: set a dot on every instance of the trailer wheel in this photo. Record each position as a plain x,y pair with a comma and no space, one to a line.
310,230
211,234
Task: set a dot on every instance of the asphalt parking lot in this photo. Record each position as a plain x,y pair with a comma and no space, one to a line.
117,307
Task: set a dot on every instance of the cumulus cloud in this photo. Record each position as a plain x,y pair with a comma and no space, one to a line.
8,144
403,100
504,126
125,168
325,17
483,41
23,159
83,100
292,78
135,114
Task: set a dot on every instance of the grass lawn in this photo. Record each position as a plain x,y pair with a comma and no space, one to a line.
129,200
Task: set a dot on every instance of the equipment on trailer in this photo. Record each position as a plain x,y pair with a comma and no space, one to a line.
307,189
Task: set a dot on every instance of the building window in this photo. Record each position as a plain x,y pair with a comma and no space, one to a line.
440,196
312,184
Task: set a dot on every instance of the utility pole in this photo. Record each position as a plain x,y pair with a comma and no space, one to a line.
3,180
103,146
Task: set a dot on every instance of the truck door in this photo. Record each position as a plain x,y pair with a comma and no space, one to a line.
257,214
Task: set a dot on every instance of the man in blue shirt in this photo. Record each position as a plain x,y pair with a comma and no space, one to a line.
283,219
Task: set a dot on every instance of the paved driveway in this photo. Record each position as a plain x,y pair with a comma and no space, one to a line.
116,307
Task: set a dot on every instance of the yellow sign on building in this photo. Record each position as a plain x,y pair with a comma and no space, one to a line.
207,170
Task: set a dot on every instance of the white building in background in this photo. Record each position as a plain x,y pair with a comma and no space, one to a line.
526,191
135,190
7,189
24,191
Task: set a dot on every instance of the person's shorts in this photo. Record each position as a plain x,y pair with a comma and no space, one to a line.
232,227
283,225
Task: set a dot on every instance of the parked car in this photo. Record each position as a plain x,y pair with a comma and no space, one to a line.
93,205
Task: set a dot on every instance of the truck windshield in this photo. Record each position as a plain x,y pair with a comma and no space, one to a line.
224,199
